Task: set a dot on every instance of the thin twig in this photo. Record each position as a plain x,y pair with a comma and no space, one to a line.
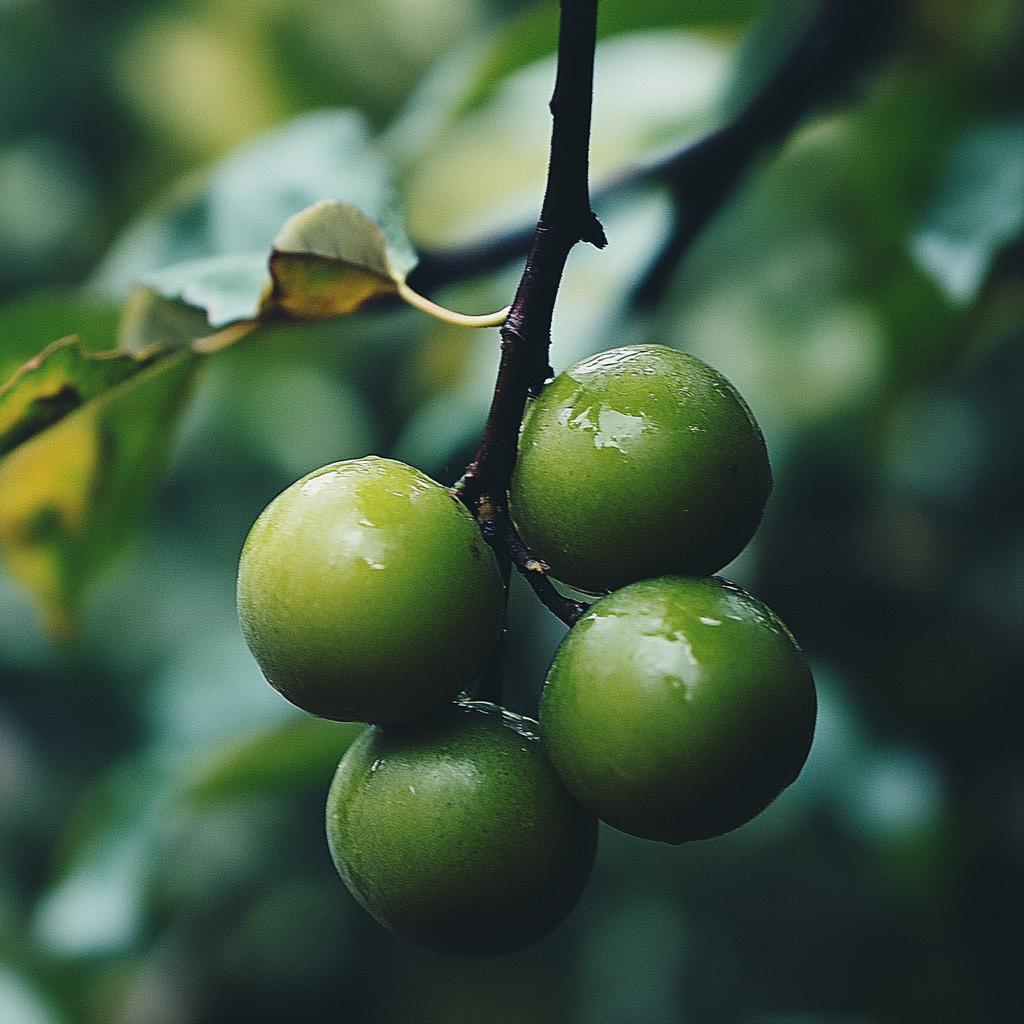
534,572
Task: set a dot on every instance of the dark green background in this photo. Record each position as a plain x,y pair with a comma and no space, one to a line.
162,856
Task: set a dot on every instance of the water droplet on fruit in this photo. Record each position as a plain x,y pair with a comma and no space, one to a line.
317,483
612,360
611,428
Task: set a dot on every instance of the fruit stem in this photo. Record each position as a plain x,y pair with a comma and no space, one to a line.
449,316
566,218
534,571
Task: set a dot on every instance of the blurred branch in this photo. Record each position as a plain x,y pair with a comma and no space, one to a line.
842,39
566,218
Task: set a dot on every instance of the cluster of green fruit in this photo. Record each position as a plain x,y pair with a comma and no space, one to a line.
676,708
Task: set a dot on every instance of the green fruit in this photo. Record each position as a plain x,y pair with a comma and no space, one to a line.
366,593
638,462
678,709
456,833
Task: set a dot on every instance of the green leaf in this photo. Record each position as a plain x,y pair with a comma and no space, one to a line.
149,319
327,261
29,324
979,208
299,754
74,492
84,434
60,379
225,289
330,260
313,200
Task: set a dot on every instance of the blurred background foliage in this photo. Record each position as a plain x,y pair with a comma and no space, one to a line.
161,847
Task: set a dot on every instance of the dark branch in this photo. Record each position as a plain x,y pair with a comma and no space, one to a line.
842,39
566,218
511,550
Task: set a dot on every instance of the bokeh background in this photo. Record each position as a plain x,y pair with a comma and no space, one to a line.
162,858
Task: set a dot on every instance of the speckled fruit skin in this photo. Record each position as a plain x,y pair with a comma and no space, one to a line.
678,708
457,834
366,593
638,462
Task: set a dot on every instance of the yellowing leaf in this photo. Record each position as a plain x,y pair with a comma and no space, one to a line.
329,260
71,494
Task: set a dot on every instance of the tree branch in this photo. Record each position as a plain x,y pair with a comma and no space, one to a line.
565,219
839,41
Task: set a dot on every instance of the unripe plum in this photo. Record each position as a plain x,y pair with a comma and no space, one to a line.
366,593
456,833
678,708
638,462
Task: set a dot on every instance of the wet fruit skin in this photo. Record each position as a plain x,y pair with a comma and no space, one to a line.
678,708
456,833
366,593
637,462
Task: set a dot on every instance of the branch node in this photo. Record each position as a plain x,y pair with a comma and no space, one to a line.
593,232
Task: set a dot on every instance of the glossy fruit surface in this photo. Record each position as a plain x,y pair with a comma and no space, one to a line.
366,593
455,832
638,462
678,708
